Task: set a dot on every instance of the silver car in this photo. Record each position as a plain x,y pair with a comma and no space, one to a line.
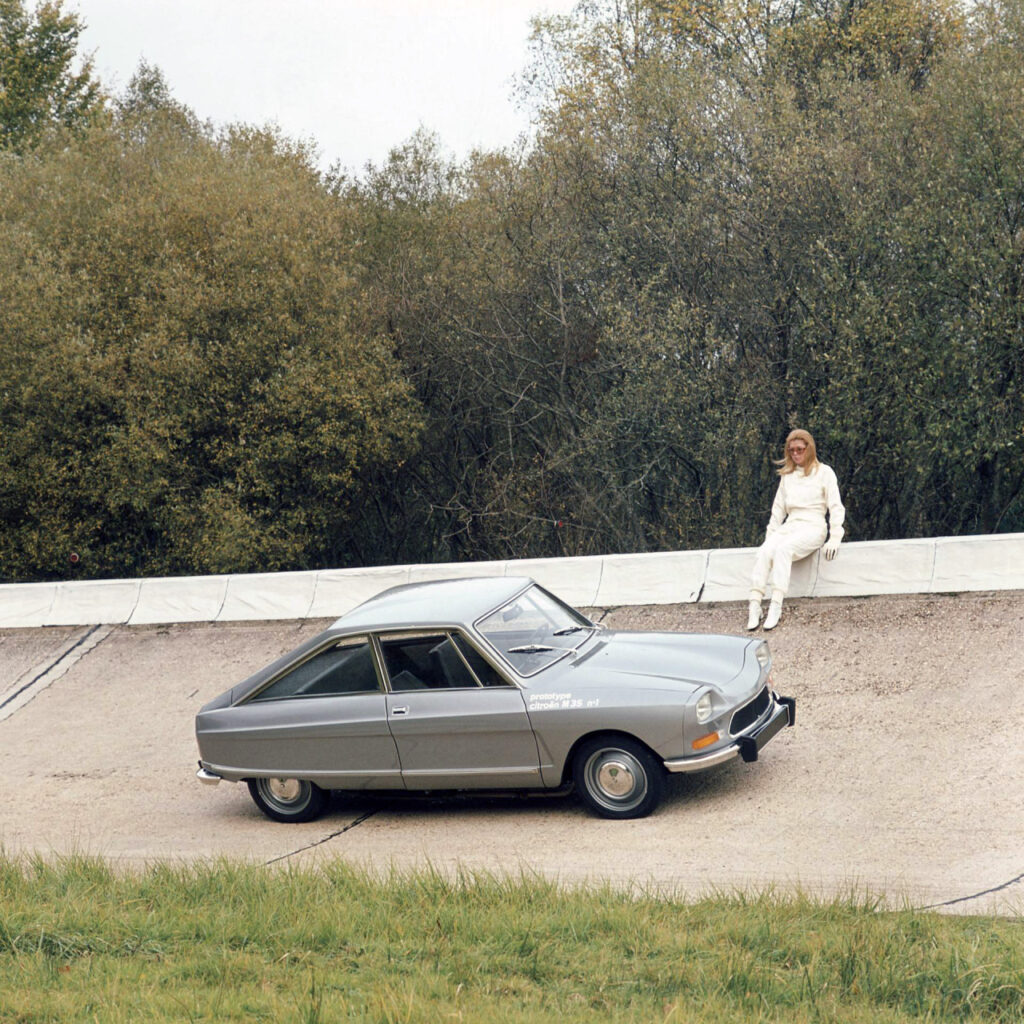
488,683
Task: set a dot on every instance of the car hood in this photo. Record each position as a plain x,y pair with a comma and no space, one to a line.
666,661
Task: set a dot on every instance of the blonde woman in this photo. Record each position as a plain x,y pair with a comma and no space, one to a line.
808,489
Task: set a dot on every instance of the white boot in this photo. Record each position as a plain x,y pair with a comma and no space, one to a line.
755,614
771,620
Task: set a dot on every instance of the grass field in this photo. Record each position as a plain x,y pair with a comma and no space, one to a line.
230,942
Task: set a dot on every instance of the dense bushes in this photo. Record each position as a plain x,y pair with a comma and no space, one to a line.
191,383
214,358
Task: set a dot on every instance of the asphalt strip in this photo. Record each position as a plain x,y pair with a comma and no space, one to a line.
976,895
42,676
326,839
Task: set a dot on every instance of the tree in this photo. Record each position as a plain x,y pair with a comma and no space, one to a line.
769,197
192,382
40,86
734,219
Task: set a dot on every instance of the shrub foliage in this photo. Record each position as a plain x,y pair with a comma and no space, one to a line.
730,220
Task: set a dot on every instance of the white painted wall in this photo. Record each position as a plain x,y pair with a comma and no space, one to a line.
941,565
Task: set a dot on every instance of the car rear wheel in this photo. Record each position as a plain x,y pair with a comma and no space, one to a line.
289,800
617,777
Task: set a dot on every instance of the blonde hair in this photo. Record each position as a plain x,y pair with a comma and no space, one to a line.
786,463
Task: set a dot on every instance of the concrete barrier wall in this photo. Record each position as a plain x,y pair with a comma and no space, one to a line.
942,565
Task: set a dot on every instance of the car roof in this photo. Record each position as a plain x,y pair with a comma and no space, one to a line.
433,603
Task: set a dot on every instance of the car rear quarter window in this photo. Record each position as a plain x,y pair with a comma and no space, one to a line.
343,668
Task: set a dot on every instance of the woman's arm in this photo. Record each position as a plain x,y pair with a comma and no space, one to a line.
779,509
836,511
836,515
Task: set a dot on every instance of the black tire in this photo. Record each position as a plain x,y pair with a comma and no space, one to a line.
616,777
288,800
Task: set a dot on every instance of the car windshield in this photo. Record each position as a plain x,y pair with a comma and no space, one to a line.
535,630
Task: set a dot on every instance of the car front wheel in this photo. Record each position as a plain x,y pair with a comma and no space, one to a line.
290,800
618,778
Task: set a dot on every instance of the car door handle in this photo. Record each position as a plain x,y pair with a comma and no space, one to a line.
400,711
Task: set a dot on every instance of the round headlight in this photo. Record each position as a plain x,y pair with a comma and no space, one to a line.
764,657
704,708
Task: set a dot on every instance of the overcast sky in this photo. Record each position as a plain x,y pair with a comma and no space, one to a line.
357,76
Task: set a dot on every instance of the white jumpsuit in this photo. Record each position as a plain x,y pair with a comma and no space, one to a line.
797,526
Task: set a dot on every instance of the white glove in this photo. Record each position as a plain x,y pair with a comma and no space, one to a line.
831,549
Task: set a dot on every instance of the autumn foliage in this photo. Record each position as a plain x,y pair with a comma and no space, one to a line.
733,218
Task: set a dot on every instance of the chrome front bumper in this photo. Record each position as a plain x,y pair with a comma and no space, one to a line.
748,746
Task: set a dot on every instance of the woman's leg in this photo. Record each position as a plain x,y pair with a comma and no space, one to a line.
773,564
771,620
763,560
766,554
798,541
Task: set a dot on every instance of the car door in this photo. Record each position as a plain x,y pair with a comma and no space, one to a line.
457,722
324,718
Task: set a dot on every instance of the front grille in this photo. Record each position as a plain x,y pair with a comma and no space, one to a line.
747,715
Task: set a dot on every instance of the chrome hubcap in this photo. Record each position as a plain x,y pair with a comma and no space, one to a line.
616,778
285,790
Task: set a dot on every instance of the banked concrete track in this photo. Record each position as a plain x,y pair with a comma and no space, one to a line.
902,779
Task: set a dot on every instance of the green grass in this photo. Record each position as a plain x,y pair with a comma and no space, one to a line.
228,942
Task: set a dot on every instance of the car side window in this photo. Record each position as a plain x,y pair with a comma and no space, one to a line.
484,670
344,668
425,662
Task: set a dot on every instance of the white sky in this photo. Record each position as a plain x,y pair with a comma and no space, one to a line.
356,76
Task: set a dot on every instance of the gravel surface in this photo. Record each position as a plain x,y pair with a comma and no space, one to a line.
902,780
